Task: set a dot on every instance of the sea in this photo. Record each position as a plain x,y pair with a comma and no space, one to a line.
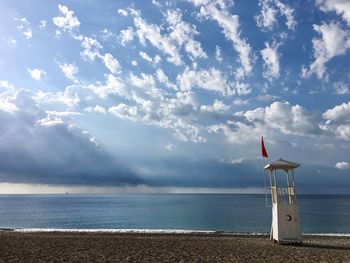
231,213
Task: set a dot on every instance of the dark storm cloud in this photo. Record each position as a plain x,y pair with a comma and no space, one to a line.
181,172
58,154
248,173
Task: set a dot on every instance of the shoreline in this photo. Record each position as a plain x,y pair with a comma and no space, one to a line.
155,231
61,246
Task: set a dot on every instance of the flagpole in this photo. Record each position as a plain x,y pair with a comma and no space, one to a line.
264,160
264,157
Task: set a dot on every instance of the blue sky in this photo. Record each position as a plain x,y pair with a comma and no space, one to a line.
162,96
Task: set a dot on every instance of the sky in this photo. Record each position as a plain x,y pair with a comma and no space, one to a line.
171,96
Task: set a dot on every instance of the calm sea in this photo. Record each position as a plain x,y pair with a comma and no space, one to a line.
237,213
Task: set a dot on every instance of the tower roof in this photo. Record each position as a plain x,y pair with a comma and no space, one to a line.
281,164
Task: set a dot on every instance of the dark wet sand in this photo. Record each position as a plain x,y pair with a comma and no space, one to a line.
134,247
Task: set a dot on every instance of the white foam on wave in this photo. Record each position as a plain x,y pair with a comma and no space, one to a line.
140,231
328,234
158,231
151,231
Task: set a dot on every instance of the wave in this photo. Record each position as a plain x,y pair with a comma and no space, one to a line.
113,230
328,234
158,231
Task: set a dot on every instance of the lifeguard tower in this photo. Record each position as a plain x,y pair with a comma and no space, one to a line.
285,226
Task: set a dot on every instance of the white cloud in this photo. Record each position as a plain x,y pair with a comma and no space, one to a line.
152,33
194,49
122,12
143,102
69,97
183,34
114,85
241,88
268,15
287,118
341,7
11,42
169,113
287,12
58,34
27,34
97,109
200,2
342,165
91,47
169,146
280,118
218,106
212,80
145,56
341,88
134,63
267,97
146,104
156,3
124,111
8,107
111,63
143,81
68,21
270,9
238,160
162,78
106,34
156,59
43,24
12,101
91,50
178,35
218,55
240,102
7,103
338,113
36,73
126,35
6,84
230,26
334,42
240,134
25,27
69,70
55,118
338,121
342,131
270,56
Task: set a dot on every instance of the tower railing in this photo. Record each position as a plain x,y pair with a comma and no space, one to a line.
283,194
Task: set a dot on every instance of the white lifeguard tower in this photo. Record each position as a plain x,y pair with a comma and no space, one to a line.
285,226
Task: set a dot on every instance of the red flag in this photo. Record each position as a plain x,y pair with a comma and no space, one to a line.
263,149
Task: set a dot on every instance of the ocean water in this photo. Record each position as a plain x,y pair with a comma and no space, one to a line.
221,212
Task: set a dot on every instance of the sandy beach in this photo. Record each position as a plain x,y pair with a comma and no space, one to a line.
135,247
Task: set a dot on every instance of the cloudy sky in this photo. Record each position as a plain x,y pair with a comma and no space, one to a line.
120,95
